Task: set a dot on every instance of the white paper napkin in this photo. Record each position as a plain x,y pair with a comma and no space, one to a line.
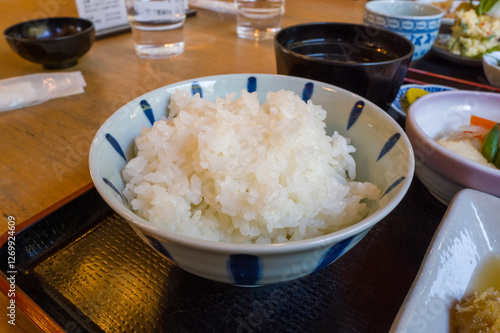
32,89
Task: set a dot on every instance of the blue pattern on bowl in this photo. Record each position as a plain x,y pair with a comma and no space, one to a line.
393,186
333,253
113,187
196,89
147,111
251,84
116,146
156,244
308,91
432,88
389,144
405,25
356,111
244,269
422,32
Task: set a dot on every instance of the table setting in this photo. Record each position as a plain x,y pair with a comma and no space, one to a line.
245,166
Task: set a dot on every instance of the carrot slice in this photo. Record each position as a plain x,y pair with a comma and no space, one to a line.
478,121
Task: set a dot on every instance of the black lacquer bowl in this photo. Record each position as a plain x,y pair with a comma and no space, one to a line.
55,43
368,61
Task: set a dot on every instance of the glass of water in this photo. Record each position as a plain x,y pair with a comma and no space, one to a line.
259,19
157,27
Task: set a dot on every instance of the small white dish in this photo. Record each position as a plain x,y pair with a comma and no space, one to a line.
467,236
432,88
491,68
443,172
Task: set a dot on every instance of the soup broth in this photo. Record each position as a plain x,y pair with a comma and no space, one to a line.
339,51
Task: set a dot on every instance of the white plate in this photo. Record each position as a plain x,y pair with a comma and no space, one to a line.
432,88
468,235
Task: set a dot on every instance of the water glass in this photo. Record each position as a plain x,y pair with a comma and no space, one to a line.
259,19
157,27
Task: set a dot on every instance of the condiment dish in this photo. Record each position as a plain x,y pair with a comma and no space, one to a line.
465,242
431,88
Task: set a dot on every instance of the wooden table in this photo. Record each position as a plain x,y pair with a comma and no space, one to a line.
44,155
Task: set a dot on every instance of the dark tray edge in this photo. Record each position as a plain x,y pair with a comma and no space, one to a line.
30,309
23,302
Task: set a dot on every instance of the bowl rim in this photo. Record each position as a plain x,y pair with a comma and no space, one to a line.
491,67
286,50
489,57
7,31
225,247
413,4
446,153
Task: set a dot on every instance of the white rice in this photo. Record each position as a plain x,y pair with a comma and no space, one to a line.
236,171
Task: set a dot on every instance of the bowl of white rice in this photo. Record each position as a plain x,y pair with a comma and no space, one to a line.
251,179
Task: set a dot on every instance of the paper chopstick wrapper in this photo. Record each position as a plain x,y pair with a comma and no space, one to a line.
32,89
214,6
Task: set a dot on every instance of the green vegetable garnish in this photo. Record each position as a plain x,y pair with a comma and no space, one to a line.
494,48
496,161
490,145
484,6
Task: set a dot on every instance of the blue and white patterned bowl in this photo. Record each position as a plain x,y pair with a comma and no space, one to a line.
418,22
384,157
432,88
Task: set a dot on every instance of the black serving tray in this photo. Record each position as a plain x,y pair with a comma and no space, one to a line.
85,270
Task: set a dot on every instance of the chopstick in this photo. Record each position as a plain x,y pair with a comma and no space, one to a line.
454,82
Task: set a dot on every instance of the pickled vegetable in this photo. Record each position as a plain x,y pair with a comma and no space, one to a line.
415,93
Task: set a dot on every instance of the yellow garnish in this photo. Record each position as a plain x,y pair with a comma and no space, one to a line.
415,93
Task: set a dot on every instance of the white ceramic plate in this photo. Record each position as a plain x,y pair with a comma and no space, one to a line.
432,88
468,235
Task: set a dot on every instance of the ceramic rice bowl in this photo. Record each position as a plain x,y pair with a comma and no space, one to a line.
384,157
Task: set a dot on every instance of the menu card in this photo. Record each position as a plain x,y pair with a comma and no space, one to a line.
108,16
